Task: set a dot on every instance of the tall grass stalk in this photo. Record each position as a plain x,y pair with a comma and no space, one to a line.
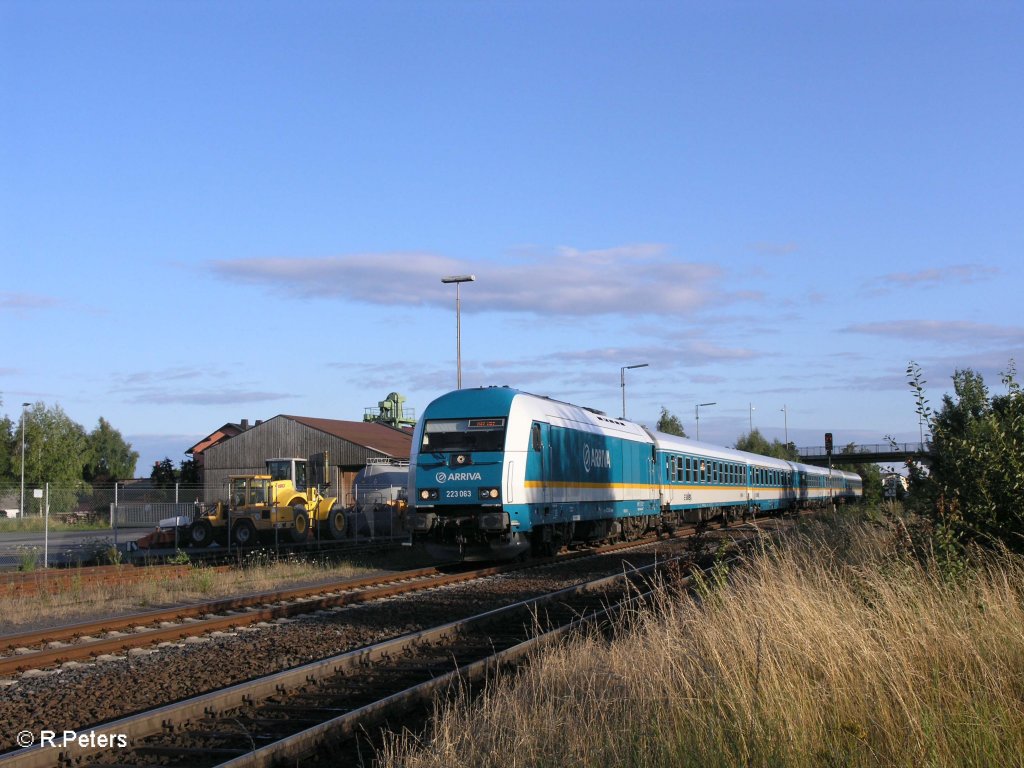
833,648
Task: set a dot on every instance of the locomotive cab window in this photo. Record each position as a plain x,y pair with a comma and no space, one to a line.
465,435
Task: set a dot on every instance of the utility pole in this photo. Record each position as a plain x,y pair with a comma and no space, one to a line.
458,280
622,382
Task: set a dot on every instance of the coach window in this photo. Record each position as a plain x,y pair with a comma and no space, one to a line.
703,471
535,437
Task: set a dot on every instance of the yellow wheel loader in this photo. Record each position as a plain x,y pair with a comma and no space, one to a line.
277,503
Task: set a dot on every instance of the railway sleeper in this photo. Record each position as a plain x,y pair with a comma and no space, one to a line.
180,751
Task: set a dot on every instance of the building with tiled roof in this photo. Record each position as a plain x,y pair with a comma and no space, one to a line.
348,445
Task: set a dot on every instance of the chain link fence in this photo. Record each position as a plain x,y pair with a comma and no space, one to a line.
89,503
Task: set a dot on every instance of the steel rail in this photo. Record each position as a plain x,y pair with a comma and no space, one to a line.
56,645
172,717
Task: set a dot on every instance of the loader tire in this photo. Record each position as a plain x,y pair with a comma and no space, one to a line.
300,526
244,533
336,522
200,533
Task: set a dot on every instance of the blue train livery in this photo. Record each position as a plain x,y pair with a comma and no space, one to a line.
496,473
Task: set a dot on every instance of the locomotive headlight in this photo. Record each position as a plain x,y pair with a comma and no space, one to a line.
488,494
428,494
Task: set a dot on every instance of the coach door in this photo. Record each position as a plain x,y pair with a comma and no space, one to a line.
540,461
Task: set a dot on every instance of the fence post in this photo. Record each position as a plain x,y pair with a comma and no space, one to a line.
46,530
176,492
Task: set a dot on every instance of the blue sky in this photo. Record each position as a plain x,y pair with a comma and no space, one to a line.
217,211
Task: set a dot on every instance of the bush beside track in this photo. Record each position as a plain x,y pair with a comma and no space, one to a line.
861,656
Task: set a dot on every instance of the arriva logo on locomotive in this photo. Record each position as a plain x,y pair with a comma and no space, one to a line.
598,458
443,477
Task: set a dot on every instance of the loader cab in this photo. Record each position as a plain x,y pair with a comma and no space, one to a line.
288,469
249,490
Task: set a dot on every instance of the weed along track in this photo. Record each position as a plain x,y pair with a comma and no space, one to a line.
68,579
325,704
84,641
267,672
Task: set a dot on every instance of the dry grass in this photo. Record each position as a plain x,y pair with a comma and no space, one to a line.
833,649
81,602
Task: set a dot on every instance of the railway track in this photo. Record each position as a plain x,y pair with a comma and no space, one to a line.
323,706
102,693
101,638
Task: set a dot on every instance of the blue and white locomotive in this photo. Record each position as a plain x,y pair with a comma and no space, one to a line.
496,472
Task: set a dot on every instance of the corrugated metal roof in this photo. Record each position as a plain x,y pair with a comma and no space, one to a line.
378,437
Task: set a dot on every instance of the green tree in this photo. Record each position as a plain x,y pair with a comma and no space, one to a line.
164,474
54,450
189,472
974,484
109,458
670,424
8,439
755,442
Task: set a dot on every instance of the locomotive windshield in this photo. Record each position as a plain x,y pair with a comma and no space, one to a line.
458,435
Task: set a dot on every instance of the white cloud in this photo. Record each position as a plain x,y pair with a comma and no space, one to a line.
948,332
26,301
961,274
627,280
207,397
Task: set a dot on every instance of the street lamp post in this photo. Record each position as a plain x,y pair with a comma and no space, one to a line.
622,382
785,422
23,407
696,412
458,280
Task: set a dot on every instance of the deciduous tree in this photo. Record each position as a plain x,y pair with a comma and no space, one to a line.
974,484
670,424
109,458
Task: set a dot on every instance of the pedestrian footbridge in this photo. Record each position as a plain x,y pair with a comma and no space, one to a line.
881,453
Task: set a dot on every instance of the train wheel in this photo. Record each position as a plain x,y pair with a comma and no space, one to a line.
244,533
200,533
300,526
